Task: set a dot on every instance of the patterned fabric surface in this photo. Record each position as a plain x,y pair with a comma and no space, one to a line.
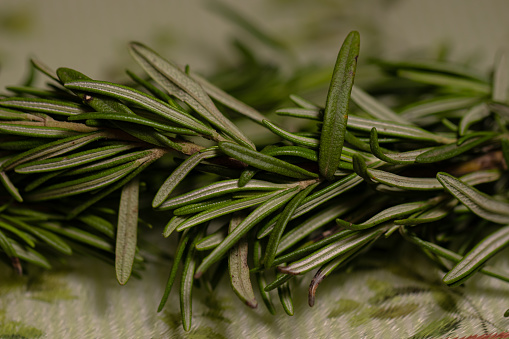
383,295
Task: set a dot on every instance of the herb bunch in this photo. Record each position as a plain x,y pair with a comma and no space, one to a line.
80,158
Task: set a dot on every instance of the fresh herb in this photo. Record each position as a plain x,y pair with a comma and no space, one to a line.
83,155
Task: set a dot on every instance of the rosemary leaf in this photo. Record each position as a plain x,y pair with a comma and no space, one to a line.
251,220
474,259
479,203
238,268
127,229
336,109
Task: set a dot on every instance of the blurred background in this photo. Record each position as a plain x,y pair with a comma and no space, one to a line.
91,36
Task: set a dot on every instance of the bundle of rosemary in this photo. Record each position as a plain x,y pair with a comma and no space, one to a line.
80,159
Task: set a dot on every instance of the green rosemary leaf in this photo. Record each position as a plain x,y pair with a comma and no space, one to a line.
311,246
41,179
238,267
264,162
180,173
395,129
407,183
186,284
201,206
172,225
229,101
37,64
327,193
277,232
220,188
269,206
43,105
133,119
481,177
11,115
186,83
386,215
459,84
73,160
37,131
332,251
210,241
434,214
448,254
374,107
260,278
395,158
9,186
296,139
436,66
280,280
181,247
295,151
99,224
336,108
30,255
285,297
78,235
299,101
141,165
52,240
415,112
109,163
225,208
247,175
127,229
315,222
326,270
53,149
479,203
311,113
360,167
474,114
85,184
154,90
500,86
150,103
448,151
474,259
99,103
6,245
27,238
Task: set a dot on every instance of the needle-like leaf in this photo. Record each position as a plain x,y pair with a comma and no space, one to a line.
127,229
152,104
375,108
479,203
186,83
43,105
180,173
336,109
179,253
251,220
331,251
277,232
238,268
474,259
264,162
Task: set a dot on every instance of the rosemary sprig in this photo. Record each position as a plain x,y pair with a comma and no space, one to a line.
293,206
